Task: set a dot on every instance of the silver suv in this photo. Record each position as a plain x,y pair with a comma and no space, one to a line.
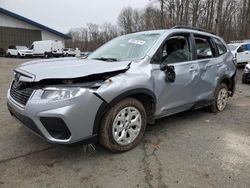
124,85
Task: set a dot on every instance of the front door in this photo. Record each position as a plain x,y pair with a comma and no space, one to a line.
177,96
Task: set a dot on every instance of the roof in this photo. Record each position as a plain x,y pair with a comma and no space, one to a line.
28,21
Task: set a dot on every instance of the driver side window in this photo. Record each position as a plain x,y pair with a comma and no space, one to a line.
174,50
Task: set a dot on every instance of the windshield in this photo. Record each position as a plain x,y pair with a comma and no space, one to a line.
127,47
21,48
232,47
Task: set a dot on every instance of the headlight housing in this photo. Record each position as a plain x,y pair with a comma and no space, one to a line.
70,91
55,94
247,70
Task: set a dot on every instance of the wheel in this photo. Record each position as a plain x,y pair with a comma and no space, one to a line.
9,55
67,55
18,55
46,55
244,79
220,99
123,126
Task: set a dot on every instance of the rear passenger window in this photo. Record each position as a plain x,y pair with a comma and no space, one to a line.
220,46
203,48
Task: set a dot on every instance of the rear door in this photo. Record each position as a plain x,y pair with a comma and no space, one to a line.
210,61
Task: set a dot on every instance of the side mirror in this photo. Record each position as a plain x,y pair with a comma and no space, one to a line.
169,71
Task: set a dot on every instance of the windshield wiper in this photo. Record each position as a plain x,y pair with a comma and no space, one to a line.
106,59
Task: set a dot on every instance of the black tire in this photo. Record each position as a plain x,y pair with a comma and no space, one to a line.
105,134
9,55
214,107
18,55
45,55
244,79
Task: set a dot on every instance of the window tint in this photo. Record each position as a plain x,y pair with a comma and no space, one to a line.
220,46
175,49
203,48
242,48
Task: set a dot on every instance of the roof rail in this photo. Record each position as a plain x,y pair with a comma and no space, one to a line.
192,28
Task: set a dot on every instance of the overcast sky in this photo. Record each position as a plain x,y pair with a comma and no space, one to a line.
65,14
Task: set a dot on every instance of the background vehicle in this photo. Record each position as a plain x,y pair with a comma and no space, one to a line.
67,52
85,54
2,52
241,51
48,48
19,51
246,74
124,85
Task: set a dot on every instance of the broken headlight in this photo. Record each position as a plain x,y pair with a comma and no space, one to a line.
61,93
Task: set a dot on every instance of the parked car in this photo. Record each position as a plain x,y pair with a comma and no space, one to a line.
124,85
2,52
48,48
246,74
241,51
85,54
67,52
19,51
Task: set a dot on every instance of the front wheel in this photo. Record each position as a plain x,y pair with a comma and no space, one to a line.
123,126
220,99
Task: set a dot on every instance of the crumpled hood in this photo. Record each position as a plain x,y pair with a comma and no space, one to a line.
68,68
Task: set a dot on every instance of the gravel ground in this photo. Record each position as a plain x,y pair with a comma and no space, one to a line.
190,149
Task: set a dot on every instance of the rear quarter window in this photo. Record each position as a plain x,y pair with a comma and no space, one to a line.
222,49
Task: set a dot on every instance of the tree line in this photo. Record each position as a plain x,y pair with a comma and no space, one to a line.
229,19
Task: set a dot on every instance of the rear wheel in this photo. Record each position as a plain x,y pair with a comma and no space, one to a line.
220,99
18,55
123,126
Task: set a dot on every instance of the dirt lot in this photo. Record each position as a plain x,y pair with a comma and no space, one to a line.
191,149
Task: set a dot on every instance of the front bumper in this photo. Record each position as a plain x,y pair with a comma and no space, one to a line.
62,122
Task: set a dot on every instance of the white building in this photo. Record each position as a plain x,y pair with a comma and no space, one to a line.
18,30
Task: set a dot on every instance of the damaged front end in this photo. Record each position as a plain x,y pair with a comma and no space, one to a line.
60,110
59,89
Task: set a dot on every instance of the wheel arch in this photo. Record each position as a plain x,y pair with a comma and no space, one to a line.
229,81
145,96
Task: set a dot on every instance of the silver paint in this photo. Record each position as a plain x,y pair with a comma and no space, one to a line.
195,81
